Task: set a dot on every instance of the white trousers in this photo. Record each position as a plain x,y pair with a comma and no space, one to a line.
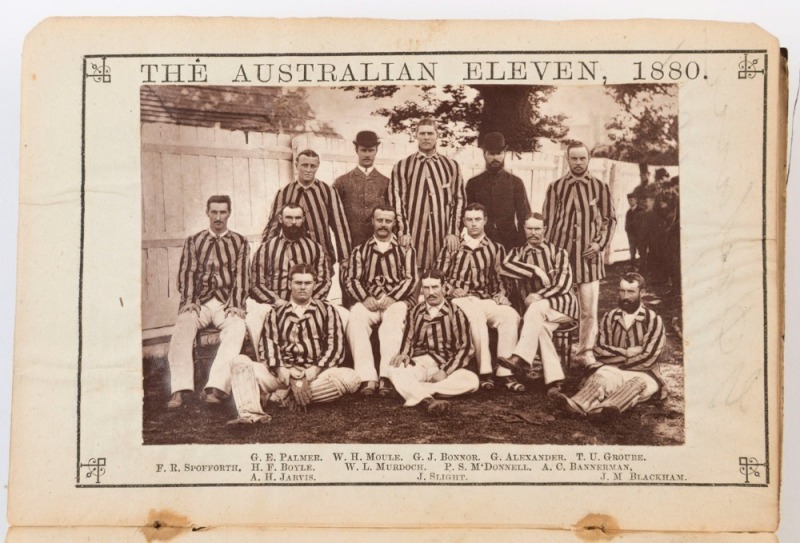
181,364
613,378
413,382
390,322
538,324
257,314
482,313
588,296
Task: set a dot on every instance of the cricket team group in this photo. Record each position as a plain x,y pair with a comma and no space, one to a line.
432,263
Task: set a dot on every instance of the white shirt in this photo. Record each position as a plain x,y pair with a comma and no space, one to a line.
433,310
383,246
366,171
298,309
472,243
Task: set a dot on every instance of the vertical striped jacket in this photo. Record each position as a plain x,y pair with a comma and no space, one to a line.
519,269
445,337
372,273
269,270
647,331
428,196
474,270
324,213
578,212
315,339
214,267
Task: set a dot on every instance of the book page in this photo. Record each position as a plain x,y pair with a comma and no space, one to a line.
127,133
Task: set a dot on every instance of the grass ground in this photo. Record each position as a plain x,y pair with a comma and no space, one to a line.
497,416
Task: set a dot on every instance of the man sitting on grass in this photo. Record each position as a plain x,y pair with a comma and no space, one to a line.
436,351
629,342
303,345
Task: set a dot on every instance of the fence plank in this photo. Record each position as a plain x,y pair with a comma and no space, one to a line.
193,195
151,183
173,194
258,193
242,199
225,182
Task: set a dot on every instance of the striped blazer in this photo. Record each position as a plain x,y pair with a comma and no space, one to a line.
269,270
445,337
578,212
647,331
473,270
519,269
314,339
428,196
324,213
372,273
214,267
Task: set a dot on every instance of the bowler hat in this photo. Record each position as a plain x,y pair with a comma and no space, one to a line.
661,172
366,138
494,142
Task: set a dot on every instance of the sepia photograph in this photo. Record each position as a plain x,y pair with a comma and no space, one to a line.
411,264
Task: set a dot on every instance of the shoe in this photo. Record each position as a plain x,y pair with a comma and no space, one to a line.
512,384
176,400
435,407
486,382
385,388
565,404
554,389
214,396
517,366
369,388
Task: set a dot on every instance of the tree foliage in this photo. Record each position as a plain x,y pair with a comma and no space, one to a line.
465,113
646,129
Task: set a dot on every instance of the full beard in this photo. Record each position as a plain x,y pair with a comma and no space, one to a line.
293,232
629,306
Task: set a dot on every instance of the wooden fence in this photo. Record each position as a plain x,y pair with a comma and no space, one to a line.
183,165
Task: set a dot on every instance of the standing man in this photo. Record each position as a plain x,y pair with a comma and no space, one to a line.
427,193
473,283
362,188
579,217
324,212
303,346
269,271
381,277
542,286
436,352
213,283
502,194
627,369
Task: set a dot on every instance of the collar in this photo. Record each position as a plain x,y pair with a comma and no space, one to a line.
467,239
306,307
529,248
314,184
365,171
222,235
639,315
422,156
374,241
585,178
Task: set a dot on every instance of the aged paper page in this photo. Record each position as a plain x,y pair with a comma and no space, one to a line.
120,159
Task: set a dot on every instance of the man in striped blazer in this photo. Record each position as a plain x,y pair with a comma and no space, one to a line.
427,192
213,282
269,270
436,353
302,347
579,217
473,283
325,218
382,277
541,280
627,371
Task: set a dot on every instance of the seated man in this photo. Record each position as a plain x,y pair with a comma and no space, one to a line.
436,351
303,345
542,278
269,271
212,281
629,342
473,284
381,277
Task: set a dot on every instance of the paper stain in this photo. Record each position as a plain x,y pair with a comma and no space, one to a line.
164,525
594,527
